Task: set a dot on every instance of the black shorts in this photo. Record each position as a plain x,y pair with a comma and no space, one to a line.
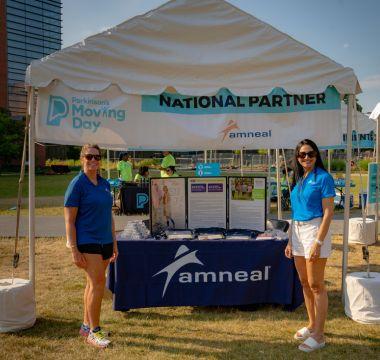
106,250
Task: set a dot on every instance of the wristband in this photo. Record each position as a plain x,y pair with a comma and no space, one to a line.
319,242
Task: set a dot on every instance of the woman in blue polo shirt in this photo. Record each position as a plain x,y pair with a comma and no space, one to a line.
90,233
312,200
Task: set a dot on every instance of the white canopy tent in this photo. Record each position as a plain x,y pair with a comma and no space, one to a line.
188,49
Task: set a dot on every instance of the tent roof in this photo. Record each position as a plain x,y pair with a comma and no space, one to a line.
375,112
195,47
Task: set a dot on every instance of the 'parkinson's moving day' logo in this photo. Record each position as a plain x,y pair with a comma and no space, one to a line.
185,257
232,131
84,112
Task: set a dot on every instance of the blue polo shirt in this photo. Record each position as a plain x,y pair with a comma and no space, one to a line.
94,202
306,197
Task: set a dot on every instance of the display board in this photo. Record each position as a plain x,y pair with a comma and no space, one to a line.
373,181
207,202
247,203
168,204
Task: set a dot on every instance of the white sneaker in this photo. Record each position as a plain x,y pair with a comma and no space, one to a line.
98,339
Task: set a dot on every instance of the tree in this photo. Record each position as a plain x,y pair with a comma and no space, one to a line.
11,137
358,106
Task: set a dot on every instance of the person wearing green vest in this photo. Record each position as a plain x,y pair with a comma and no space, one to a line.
167,161
143,175
125,167
171,172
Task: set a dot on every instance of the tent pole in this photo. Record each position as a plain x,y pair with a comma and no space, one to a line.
351,102
241,162
108,164
329,160
31,165
279,212
269,185
377,179
205,156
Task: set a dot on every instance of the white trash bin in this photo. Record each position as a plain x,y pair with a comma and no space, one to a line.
17,305
362,297
359,235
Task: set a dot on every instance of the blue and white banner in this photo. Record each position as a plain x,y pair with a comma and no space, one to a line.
117,120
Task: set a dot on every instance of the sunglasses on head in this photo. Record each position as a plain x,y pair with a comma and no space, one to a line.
311,154
91,156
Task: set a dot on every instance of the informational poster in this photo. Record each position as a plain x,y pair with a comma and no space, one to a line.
247,197
168,204
207,202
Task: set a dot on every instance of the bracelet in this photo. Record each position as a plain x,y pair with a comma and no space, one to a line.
319,242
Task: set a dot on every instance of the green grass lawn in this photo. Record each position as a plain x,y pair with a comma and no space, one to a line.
181,333
55,185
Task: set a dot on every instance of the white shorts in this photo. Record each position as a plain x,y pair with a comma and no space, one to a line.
303,235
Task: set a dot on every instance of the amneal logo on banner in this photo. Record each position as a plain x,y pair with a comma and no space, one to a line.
86,113
232,131
205,277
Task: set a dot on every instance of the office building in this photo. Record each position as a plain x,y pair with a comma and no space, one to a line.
29,29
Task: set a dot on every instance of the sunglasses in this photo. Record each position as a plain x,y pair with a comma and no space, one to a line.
91,156
311,154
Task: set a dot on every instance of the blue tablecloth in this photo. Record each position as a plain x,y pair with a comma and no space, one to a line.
150,273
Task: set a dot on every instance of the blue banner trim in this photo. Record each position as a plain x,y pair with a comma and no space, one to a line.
224,102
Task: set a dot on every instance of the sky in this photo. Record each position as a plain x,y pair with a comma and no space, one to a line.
347,31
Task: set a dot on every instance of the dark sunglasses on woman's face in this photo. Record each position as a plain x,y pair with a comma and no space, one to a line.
311,154
91,156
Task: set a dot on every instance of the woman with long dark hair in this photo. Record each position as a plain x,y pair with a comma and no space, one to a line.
312,200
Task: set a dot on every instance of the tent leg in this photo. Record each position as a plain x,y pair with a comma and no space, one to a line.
241,162
279,211
31,109
269,186
377,180
347,195
108,164
329,160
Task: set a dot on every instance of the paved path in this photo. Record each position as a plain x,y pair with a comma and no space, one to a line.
52,226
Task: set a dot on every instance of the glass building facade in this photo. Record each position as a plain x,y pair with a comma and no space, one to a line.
34,30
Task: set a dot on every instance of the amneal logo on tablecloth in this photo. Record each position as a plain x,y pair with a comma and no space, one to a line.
86,113
203,276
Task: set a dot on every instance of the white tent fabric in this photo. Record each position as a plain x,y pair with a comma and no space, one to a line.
365,130
375,113
196,47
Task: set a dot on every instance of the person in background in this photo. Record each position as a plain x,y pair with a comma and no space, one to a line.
125,167
90,234
312,201
171,172
143,175
167,161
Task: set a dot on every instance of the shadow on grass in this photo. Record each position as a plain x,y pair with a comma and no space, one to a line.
52,329
232,348
216,314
